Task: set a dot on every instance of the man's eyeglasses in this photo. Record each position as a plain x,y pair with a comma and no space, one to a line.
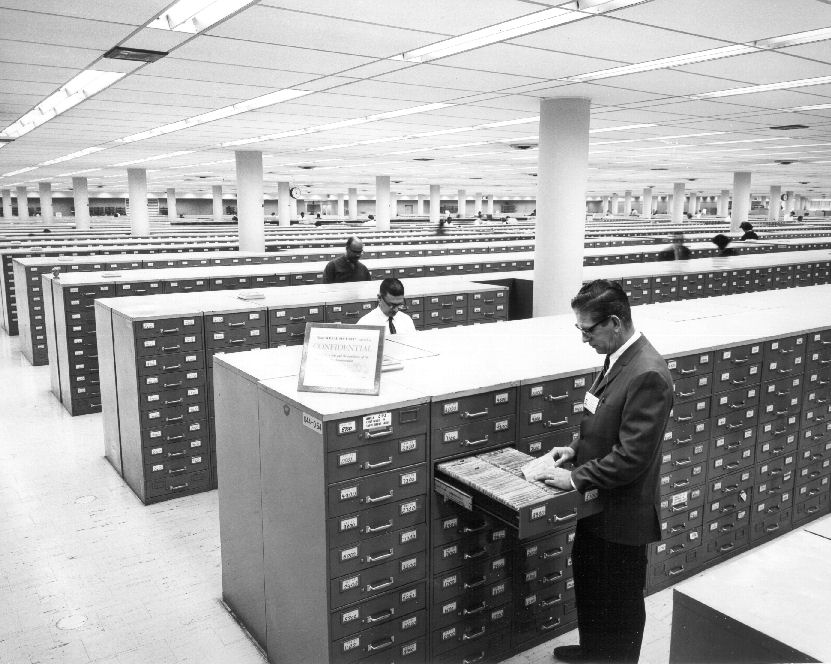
400,306
588,331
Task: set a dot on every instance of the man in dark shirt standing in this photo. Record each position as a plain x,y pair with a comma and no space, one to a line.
347,267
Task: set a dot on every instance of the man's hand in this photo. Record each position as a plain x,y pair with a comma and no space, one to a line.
562,454
559,478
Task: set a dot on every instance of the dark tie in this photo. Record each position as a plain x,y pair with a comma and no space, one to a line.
392,329
605,369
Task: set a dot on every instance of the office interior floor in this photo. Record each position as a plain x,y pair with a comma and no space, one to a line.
90,575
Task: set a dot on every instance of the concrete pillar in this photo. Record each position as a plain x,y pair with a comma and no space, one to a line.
604,204
139,215
251,228
216,194
677,203
22,203
462,203
741,199
420,205
775,204
627,202
692,207
7,204
435,203
668,210
789,204
283,204
614,209
171,203
47,212
477,203
393,206
353,203
382,202
490,205
563,165
724,203
341,211
80,192
646,202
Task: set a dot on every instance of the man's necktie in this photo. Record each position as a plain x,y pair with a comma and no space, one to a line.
392,329
605,368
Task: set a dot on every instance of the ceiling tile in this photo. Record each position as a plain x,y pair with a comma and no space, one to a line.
761,68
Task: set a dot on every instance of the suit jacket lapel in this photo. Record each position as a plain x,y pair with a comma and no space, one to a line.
617,367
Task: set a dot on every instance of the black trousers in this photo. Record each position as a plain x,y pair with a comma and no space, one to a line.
609,579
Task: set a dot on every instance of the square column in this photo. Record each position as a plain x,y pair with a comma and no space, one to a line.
382,202
139,214
47,212
22,203
341,213
420,205
216,194
775,205
692,206
561,203
741,199
283,204
477,204
789,204
677,203
614,211
627,202
724,203
490,205
646,202
80,194
251,228
435,203
353,203
7,204
462,198
171,203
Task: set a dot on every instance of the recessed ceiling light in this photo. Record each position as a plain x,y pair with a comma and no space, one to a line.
134,54
790,127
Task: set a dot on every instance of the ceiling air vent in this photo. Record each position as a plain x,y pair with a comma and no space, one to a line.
423,159
134,54
306,168
790,127
658,169
785,162
5,140
524,146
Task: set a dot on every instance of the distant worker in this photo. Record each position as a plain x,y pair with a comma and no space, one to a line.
749,233
677,252
721,241
389,312
347,267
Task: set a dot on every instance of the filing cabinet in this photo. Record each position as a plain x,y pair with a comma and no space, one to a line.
287,326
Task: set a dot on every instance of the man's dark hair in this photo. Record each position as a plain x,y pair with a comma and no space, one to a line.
352,238
602,298
391,286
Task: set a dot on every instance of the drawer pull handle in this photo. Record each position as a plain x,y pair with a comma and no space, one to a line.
681,483
367,435
551,602
550,424
679,508
686,372
386,643
239,324
726,527
676,548
551,625
476,554
179,487
773,509
475,529
296,319
171,439
177,471
446,319
782,371
813,492
169,330
177,418
675,571
373,559
469,416
727,508
686,394
551,578
168,386
775,471
378,529
781,412
174,455
237,341
378,617
476,609
812,509
682,462
733,446
779,432
470,636
738,381
732,464
561,519
772,527
475,584
297,334
684,441
555,397
733,427
369,499
738,360
785,351
781,394
370,466
740,404
174,402
167,349
383,584
681,418
552,553
475,660
171,367
727,547
730,489
471,443
679,528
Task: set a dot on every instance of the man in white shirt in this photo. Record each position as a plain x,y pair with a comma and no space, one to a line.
388,314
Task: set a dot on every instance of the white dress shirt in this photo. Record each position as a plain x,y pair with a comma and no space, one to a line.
403,323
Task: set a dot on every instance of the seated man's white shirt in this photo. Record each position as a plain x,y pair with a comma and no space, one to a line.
402,322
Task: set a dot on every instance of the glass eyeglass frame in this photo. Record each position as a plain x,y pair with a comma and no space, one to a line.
589,331
396,307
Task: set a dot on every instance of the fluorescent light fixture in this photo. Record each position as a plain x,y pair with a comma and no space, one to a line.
750,140
795,39
88,170
155,158
220,113
767,87
81,87
22,170
517,27
812,107
338,125
194,16
623,128
74,155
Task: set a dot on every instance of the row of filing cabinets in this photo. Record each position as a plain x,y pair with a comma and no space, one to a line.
408,570
154,366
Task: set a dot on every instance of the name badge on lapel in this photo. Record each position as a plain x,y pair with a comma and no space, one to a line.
590,402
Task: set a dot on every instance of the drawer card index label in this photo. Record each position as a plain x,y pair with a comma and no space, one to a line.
344,359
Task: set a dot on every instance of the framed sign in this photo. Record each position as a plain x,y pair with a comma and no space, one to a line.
345,359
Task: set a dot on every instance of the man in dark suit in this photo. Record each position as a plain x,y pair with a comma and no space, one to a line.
618,452
347,268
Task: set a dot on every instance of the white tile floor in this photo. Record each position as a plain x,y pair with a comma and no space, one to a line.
88,574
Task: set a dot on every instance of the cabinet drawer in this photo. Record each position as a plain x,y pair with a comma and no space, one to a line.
738,356
539,445
693,388
782,365
813,470
402,639
805,489
186,286
367,459
730,377
686,433
470,629
778,467
169,485
739,399
468,550
172,398
375,580
180,449
179,343
161,383
472,603
170,363
300,315
440,317
736,420
375,521
689,411
681,478
782,444
472,436
369,491
813,455
530,555
452,522
689,365
535,396
723,544
471,577
166,467
368,552
675,545
816,417
171,433
139,288
819,432
168,328
238,339
819,340
377,610
777,428
445,302
171,415
735,440
269,281
229,283
455,412
396,423
679,457
552,416
682,522
730,461
235,321
558,595
681,501
347,312
490,647
811,508
725,524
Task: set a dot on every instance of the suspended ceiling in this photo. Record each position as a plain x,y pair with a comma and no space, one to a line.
342,50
